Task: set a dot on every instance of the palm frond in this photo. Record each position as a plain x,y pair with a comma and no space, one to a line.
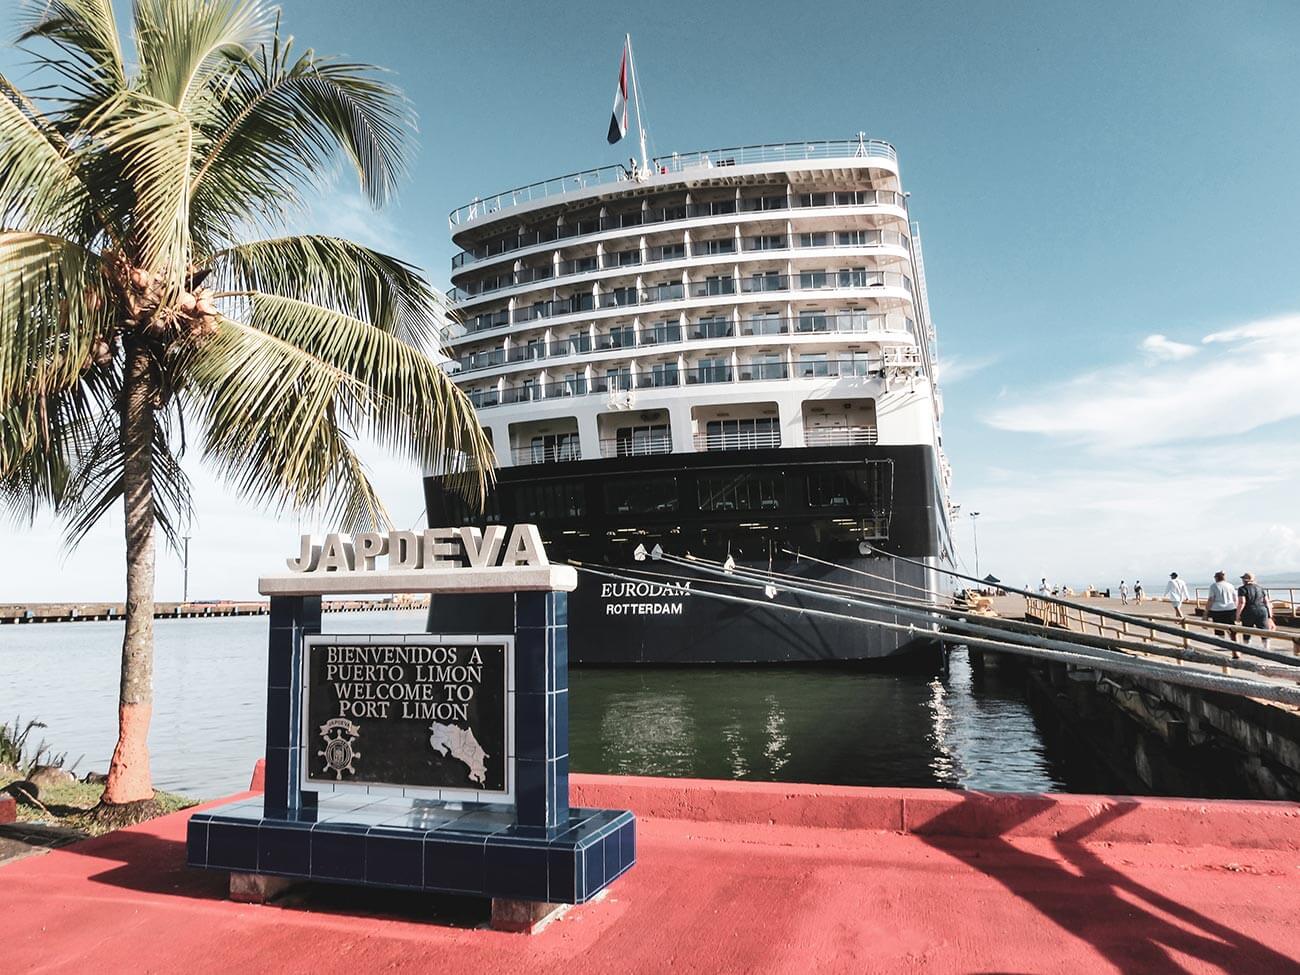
184,47
155,144
280,126
271,423
40,188
96,483
54,306
86,35
341,275
413,407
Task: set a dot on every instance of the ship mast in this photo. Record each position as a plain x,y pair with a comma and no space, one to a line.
636,100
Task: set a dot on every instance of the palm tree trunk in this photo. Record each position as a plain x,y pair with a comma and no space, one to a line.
128,775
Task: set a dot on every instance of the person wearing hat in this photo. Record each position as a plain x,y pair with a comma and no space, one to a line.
1176,593
1252,606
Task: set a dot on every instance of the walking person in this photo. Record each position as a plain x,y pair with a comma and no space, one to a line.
1221,606
1252,607
1123,593
1176,593
1137,591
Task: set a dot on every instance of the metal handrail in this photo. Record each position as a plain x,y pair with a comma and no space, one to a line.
860,148
641,218
737,441
840,436
823,324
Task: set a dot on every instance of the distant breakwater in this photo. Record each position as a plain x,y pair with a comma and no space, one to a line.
18,613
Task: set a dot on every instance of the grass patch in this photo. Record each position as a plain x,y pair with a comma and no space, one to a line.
70,804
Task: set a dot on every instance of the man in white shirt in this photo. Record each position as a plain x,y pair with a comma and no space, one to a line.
1176,593
1222,604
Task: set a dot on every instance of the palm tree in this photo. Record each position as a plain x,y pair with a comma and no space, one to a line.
153,299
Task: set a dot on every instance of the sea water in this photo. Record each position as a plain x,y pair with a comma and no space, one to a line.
820,725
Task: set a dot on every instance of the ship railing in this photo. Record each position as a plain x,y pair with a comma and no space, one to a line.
705,375
657,379
548,453
840,436
758,371
640,443
660,335
808,324
862,368
669,214
737,441
677,252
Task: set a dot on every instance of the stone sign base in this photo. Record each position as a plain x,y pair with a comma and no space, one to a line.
419,845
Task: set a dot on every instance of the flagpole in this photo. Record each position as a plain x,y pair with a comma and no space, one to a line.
636,100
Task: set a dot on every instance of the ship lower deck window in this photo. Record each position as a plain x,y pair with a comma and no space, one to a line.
869,488
741,492
641,496
550,501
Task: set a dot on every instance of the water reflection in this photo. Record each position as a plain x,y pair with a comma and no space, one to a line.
809,725
792,725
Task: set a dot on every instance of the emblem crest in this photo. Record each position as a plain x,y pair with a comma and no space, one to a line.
338,735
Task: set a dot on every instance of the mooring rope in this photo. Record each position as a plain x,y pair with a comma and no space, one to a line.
1086,657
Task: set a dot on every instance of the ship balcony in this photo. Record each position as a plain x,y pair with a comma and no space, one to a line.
546,453
648,443
746,211
807,367
738,440
672,168
809,323
841,436
660,299
803,247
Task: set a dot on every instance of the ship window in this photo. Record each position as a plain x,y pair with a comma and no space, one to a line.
812,279
624,258
641,496
851,488
813,240
742,492
763,431
555,447
636,441
715,327
813,321
549,501
813,364
721,245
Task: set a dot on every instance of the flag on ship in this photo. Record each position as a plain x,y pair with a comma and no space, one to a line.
618,120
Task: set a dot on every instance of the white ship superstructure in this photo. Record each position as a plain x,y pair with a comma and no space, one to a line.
758,296
727,354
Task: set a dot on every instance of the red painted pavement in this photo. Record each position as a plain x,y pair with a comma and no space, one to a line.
746,878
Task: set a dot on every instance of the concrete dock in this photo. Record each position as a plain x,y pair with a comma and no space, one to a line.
737,877
25,613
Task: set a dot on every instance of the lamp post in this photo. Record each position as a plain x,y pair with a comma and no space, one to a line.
185,571
974,528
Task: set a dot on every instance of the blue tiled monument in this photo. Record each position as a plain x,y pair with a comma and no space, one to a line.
430,762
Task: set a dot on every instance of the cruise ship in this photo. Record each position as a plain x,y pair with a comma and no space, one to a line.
728,354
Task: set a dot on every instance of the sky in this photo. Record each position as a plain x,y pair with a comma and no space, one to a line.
1110,211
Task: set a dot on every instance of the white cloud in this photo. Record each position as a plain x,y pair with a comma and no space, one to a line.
1137,514
954,368
1164,349
1248,381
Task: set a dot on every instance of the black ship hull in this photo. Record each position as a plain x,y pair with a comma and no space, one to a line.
757,507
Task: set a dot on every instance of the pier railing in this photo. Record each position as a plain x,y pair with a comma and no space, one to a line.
1080,620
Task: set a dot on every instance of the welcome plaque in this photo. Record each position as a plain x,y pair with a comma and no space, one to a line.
434,762
425,714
